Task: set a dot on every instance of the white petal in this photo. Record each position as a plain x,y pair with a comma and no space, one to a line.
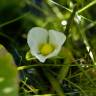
54,53
36,36
56,38
40,57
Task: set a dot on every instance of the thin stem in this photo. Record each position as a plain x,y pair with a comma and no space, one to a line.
32,89
87,6
70,10
87,19
88,48
77,87
70,21
60,5
13,20
90,26
54,83
37,7
45,65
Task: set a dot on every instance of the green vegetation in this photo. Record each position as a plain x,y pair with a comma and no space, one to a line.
72,72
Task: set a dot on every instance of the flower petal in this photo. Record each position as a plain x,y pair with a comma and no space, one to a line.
40,57
56,38
36,36
54,53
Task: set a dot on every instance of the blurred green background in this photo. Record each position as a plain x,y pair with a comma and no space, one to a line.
73,71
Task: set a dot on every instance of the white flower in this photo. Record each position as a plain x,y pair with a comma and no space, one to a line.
45,44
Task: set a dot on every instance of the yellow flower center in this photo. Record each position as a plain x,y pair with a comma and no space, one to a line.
45,49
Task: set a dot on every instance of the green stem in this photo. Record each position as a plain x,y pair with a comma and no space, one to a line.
87,76
88,48
87,6
70,21
75,85
46,65
38,65
13,20
51,1
31,88
69,10
37,7
54,83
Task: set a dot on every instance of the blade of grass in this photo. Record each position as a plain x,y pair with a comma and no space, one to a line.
54,82
88,48
87,76
87,19
70,21
90,26
13,20
85,41
51,1
64,70
29,2
75,85
45,65
87,6
31,88
57,12
38,65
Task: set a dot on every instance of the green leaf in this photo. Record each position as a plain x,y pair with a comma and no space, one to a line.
8,74
29,56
